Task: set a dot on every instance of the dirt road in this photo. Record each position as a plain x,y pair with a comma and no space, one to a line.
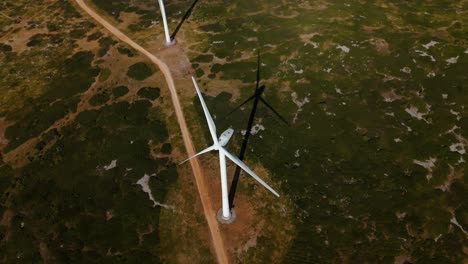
201,185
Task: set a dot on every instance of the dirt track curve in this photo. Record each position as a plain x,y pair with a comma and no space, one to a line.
201,185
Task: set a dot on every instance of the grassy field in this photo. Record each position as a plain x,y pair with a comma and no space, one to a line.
374,160
372,165
81,192
86,155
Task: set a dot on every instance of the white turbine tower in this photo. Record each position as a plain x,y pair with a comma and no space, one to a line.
168,41
218,145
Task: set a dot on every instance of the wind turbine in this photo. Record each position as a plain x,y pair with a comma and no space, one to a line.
218,144
168,41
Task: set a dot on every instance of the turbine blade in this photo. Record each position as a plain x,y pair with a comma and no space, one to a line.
209,119
273,110
199,153
241,164
246,101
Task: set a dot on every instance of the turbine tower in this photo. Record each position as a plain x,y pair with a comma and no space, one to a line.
225,215
168,41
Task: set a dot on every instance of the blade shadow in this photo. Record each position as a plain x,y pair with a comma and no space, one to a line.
256,97
274,111
235,179
186,15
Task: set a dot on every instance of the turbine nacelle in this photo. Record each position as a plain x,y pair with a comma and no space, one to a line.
259,90
225,137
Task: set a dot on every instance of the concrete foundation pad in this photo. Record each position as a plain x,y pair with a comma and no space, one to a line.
168,44
222,220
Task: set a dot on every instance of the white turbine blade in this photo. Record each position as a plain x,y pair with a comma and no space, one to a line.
210,121
199,153
246,169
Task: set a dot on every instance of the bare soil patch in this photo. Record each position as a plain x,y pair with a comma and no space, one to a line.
382,46
19,39
390,96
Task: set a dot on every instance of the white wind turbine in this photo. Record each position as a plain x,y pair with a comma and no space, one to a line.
168,41
218,145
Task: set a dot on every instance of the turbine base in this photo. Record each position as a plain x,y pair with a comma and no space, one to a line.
168,44
223,220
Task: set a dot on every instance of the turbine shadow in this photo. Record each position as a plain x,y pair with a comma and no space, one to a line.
186,15
257,97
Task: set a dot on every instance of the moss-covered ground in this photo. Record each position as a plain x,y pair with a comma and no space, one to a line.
374,160
77,136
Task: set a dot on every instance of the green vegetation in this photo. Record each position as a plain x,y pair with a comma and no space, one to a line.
95,36
140,71
68,10
90,206
113,8
374,159
104,75
105,44
134,27
63,202
5,48
120,91
199,73
166,148
38,39
126,51
348,77
99,99
204,58
76,75
149,93
78,33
